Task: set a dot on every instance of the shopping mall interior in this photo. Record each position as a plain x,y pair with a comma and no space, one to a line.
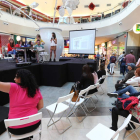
69,69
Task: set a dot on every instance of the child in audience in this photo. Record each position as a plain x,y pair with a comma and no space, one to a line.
101,71
25,100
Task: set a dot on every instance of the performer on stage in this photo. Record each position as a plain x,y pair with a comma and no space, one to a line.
53,46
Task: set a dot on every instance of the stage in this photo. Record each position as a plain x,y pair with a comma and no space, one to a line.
47,74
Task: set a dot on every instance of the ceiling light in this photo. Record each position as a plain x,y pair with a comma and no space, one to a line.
5,23
18,38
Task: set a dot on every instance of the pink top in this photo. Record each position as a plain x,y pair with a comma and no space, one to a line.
138,62
95,77
21,105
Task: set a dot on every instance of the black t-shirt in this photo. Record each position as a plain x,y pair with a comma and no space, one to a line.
100,73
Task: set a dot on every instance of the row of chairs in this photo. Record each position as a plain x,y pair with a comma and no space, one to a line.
58,108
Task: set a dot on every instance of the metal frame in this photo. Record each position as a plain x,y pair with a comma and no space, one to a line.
134,131
53,122
73,110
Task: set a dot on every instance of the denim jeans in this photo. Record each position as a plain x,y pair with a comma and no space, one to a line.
130,89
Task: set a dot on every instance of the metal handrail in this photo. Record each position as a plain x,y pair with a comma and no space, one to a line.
91,16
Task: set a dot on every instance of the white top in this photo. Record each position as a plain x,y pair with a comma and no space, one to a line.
135,81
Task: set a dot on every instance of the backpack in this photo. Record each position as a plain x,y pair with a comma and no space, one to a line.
113,59
129,103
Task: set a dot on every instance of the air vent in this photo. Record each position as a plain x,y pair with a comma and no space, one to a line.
108,4
97,5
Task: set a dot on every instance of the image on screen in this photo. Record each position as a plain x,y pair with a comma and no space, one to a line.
82,42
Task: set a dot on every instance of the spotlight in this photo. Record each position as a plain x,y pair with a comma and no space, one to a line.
120,23
36,29
5,23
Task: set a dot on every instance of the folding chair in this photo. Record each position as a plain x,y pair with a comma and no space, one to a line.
133,130
22,121
78,104
101,132
89,97
58,108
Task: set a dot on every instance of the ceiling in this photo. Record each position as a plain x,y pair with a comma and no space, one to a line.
47,6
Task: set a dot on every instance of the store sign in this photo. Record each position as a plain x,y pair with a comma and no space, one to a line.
136,28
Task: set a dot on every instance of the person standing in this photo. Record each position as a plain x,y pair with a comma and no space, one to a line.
98,58
130,58
53,46
112,63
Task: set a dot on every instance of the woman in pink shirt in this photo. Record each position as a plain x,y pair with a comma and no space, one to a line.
25,100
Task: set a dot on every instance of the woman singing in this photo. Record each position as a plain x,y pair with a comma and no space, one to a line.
53,46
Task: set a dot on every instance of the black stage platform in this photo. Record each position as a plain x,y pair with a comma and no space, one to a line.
47,74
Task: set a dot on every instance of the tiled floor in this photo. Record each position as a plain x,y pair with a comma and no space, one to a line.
78,131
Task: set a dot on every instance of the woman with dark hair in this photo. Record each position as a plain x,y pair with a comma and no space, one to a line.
87,79
25,100
101,71
10,46
53,46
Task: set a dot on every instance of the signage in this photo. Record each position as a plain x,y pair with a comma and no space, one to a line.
136,28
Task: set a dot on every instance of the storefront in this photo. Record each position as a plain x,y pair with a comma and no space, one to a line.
117,46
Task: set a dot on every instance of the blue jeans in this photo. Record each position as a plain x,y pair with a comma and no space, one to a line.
12,52
130,89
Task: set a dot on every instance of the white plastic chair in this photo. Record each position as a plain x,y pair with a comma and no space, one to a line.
89,97
78,104
22,121
101,132
58,108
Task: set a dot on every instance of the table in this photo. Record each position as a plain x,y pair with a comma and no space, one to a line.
24,48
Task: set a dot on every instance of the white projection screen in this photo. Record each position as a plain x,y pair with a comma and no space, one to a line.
82,41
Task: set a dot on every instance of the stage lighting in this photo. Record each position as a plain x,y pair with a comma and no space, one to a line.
18,38
34,5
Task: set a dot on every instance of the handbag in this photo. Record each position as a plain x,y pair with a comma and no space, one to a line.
76,93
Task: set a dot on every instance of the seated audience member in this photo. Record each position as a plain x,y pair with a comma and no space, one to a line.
38,37
38,46
116,112
29,52
126,92
101,71
138,63
92,69
25,100
10,46
87,79
135,80
130,74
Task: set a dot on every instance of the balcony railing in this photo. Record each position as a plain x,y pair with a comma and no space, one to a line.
93,17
